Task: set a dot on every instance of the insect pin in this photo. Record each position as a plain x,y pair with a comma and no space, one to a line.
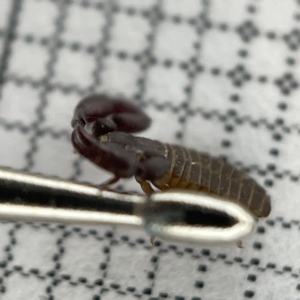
102,133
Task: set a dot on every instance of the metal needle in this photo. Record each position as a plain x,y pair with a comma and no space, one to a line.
177,215
28,197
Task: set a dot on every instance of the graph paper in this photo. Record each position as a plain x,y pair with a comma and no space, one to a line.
220,76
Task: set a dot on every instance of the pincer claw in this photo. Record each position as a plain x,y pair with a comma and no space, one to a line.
114,114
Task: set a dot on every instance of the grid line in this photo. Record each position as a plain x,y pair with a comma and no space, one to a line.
9,37
230,121
53,49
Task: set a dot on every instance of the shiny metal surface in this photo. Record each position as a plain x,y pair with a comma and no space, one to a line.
178,215
28,197
208,219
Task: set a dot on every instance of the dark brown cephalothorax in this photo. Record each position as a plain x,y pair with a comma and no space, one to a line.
102,133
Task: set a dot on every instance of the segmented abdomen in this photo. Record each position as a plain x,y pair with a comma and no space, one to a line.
199,171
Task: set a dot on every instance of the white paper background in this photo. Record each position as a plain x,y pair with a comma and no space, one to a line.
221,76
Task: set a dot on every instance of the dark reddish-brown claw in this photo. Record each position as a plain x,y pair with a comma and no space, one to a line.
110,115
109,156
